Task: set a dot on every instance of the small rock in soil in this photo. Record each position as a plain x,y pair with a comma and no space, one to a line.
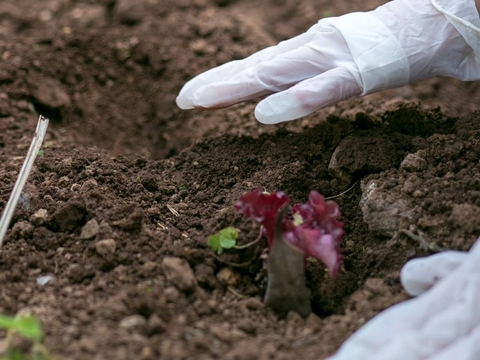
228,277
39,218
413,163
384,211
44,280
106,247
90,230
179,273
133,322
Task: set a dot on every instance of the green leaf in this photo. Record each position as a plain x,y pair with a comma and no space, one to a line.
224,239
229,232
13,354
214,242
29,327
26,326
7,322
227,243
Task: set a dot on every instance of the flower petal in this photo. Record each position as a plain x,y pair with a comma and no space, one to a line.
321,246
262,207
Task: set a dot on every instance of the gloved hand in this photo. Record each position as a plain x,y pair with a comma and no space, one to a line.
356,54
441,324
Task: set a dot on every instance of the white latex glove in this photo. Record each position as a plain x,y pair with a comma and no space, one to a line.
356,54
441,324
420,274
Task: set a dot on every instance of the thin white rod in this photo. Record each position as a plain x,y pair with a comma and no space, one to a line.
35,146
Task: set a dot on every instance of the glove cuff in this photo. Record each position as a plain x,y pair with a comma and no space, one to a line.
381,60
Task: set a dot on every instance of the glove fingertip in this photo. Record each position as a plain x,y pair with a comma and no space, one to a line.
184,103
265,114
417,277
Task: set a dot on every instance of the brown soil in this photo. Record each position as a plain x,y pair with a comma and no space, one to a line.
130,187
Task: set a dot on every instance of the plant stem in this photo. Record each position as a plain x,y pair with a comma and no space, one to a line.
244,246
342,193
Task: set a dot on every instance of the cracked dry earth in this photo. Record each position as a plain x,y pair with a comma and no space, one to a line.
118,209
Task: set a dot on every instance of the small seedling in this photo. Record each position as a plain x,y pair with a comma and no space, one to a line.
312,226
310,229
27,327
224,239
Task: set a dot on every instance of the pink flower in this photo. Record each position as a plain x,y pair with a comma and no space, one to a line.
314,228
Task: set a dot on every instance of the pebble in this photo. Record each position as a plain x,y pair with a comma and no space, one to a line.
133,322
39,217
413,163
90,230
228,277
385,211
106,247
179,273
44,280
